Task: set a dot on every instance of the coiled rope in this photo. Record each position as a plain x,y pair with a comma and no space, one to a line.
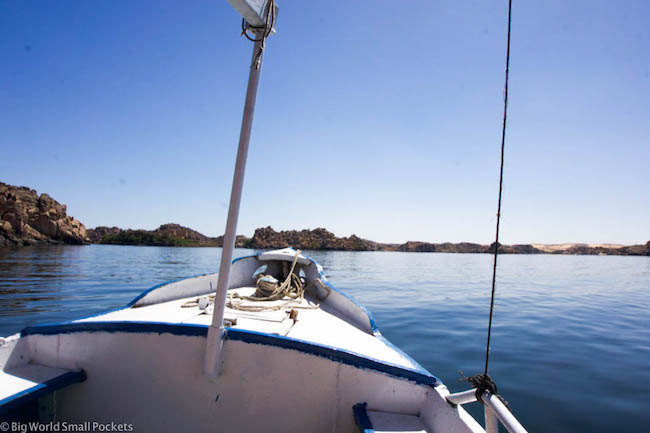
268,289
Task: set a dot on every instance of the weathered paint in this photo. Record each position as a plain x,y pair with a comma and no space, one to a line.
26,395
361,418
251,337
264,386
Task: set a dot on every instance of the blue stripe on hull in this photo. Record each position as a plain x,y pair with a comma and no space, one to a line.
129,327
333,353
362,419
201,330
251,337
15,401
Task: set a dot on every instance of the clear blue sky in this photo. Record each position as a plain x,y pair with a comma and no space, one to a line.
376,118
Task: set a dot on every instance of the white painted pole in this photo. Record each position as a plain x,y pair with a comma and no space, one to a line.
494,409
502,412
462,397
491,421
214,345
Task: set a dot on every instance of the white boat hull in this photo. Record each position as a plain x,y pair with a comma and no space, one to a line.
148,373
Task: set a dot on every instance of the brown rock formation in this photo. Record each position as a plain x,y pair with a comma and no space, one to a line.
514,249
317,239
178,231
637,250
417,247
445,247
95,235
463,247
27,219
172,235
241,241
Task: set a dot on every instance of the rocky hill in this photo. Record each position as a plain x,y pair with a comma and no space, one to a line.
317,239
264,238
466,247
426,247
633,250
95,235
172,235
29,219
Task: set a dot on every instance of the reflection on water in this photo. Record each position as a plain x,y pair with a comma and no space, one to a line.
571,341
30,280
55,283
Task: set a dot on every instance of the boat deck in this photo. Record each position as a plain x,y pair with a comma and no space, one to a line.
25,383
312,324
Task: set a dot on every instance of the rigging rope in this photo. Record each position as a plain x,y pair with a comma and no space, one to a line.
265,30
503,145
482,382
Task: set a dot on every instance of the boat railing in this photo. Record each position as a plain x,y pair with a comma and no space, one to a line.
495,410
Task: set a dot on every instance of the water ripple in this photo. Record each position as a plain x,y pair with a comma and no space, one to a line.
571,341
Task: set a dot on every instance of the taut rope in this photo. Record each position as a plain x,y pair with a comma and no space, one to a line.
482,382
503,145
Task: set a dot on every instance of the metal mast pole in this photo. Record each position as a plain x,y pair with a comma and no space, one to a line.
214,344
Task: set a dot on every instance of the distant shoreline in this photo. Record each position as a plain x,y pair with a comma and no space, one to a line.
27,218
323,240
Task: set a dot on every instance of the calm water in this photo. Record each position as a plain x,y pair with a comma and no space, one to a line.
571,339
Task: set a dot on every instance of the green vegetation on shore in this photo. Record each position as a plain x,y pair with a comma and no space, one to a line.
143,237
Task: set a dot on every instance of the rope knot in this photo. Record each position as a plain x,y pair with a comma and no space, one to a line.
262,31
482,382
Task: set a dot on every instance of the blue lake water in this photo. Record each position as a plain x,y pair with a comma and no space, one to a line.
571,336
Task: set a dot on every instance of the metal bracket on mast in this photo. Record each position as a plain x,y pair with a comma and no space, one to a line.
214,344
